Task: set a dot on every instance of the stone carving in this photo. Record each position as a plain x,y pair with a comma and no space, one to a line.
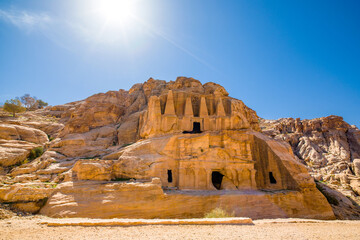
187,111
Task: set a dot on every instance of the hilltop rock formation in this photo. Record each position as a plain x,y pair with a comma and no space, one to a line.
161,149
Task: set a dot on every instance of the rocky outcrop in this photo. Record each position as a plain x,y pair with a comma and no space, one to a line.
343,207
93,143
19,137
100,170
15,132
329,147
14,152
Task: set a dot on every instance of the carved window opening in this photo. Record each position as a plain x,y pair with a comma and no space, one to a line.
196,128
170,178
272,178
216,179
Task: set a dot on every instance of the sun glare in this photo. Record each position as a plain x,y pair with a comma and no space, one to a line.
116,12
118,22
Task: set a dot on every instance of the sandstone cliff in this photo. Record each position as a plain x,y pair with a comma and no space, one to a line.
161,149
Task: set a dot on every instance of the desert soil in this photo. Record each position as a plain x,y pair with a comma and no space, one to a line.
30,228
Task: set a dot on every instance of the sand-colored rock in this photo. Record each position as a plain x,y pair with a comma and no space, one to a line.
355,186
125,110
93,170
89,144
329,147
356,164
187,148
184,111
147,200
343,207
41,163
15,132
224,151
28,207
96,111
49,126
128,131
152,222
192,159
24,193
14,151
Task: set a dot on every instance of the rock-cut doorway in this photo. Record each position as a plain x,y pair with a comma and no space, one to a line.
196,128
216,178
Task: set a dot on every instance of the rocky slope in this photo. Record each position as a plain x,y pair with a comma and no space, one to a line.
330,148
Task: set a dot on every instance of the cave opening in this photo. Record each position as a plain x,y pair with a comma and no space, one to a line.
170,178
216,178
272,178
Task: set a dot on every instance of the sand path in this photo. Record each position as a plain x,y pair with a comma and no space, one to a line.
30,228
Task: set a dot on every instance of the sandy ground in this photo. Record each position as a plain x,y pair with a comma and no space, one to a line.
30,228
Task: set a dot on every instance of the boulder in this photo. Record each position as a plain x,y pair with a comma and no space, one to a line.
100,170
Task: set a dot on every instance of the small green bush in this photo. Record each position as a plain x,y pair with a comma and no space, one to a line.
35,153
50,138
218,213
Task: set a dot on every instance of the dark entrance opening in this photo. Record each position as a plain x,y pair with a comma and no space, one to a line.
216,179
272,179
169,176
196,128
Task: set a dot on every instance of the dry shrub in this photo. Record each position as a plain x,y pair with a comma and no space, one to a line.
219,213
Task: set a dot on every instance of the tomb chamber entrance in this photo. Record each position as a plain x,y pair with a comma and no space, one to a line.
196,128
216,178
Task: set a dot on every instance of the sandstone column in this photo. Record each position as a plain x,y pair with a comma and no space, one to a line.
188,114
204,114
169,120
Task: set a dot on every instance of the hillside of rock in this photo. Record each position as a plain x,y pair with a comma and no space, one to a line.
330,149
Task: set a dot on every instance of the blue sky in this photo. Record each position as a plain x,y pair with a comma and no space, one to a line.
282,58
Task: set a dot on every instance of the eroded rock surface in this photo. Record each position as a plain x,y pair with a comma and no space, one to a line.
329,147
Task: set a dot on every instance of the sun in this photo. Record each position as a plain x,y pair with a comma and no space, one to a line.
115,22
116,12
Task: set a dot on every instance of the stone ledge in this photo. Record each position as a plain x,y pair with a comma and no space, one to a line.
136,222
